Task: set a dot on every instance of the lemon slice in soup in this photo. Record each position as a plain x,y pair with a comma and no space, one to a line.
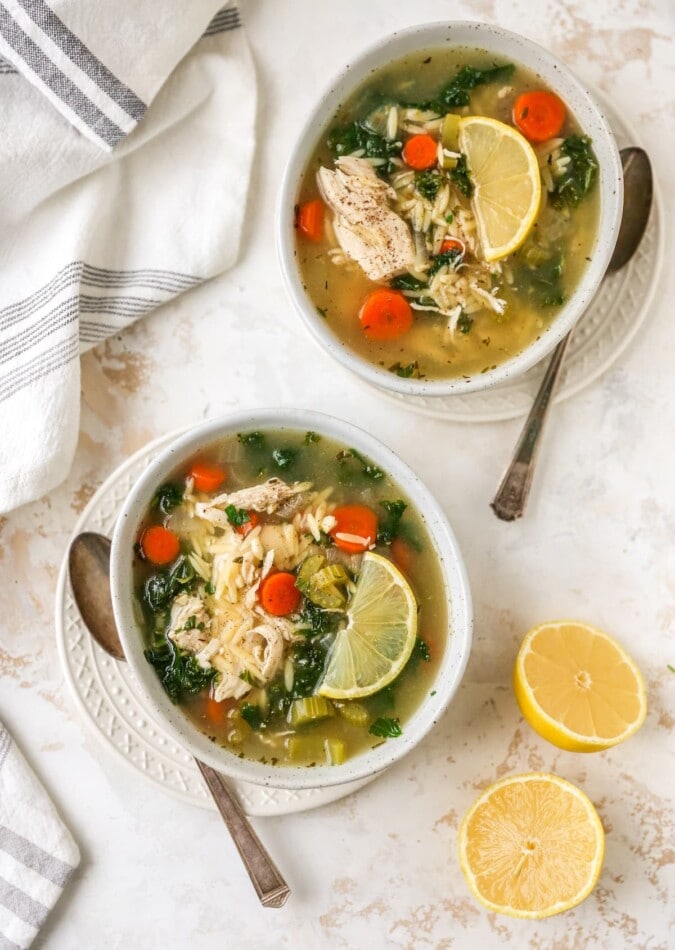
507,184
380,634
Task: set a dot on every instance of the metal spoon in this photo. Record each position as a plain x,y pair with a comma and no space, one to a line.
89,565
511,498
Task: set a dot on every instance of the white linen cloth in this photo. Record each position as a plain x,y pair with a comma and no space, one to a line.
127,139
37,853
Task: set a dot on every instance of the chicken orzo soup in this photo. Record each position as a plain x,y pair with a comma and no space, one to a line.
290,597
447,214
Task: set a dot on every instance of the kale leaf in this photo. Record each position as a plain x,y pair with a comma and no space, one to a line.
368,468
406,282
386,727
252,714
309,660
237,516
315,620
409,371
451,258
428,183
389,527
284,458
252,439
544,282
179,671
159,588
346,139
167,497
464,322
580,174
460,176
458,91
311,437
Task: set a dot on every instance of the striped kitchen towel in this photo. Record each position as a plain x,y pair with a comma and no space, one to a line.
125,154
37,853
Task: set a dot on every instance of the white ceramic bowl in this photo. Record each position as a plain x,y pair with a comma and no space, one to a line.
454,579
510,47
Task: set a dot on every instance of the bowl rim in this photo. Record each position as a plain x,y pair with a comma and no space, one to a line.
339,88
455,583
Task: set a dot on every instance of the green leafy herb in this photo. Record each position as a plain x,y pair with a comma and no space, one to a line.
369,469
159,588
252,714
390,526
179,672
409,371
406,282
314,620
311,437
450,258
346,139
167,497
190,623
309,660
421,650
284,458
458,91
246,677
544,281
237,516
579,175
386,728
252,439
464,323
428,183
461,177
209,588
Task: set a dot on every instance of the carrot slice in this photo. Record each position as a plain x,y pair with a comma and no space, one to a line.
420,152
215,711
207,477
159,545
539,115
356,528
310,219
451,244
385,315
402,555
253,521
279,595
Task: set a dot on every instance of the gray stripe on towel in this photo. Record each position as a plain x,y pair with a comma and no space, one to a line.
56,319
21,905
66,90
54,358
82,56
34,857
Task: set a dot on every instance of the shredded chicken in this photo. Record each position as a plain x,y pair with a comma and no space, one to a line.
184,607
266,497
366,227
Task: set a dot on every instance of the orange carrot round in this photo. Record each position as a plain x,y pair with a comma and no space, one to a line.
420,152
539,115
402,555
207,477
356,528
309,219
279,595
253,521
385,315
159,545
451,244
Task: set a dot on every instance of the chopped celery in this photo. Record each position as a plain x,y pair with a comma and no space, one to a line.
354,713
327,576
330,598
307,571
450,132
309,709
336,751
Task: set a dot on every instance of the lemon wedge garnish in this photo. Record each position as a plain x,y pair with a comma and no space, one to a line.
507,185
379,637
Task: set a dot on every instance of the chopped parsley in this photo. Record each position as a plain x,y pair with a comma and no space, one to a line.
390,526
428,183
386,728
409,371
237,516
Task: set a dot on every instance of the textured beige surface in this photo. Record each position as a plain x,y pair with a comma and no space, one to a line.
379,869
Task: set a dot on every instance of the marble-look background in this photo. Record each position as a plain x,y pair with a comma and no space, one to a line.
378,869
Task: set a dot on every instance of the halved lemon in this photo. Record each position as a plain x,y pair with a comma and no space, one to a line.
531,846
507,184
577,687
380,634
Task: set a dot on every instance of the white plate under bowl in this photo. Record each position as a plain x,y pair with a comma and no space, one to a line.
108,698
614,316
